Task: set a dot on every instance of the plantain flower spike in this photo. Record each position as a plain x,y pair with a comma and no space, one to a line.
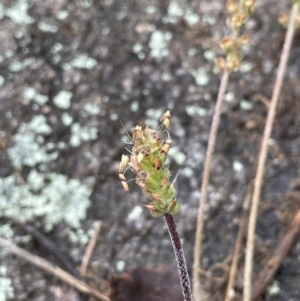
148,154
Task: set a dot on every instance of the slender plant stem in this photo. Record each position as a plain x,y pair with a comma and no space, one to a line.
180,259
264,149
205,180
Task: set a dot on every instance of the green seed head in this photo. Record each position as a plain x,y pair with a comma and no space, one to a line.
149,152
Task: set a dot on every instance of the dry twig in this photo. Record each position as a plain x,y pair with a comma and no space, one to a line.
264,149
267,273
48,245
90,248
52,269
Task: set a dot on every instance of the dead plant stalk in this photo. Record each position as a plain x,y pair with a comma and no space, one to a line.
52,269
205,181
238,13
263,151
238,245
90,248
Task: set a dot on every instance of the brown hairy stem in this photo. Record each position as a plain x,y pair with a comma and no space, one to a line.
52,269
180,259
264,149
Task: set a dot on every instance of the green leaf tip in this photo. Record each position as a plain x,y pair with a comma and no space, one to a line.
148,154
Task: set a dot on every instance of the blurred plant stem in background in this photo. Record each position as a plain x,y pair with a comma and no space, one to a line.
264,149
239,12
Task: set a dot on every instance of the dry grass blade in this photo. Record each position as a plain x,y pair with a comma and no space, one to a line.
52,269
264,149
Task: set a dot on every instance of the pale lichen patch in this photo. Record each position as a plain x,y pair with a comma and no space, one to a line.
79,134
18,13
246,105
135,213
191,18
27,149
153,116
17,66
92,108
66,119
237,166
196,110
52,196
134,106
159,44
63,99
6,289
62,15
31,94
201,77
178,156
46,27
2,80
81,62
174,12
